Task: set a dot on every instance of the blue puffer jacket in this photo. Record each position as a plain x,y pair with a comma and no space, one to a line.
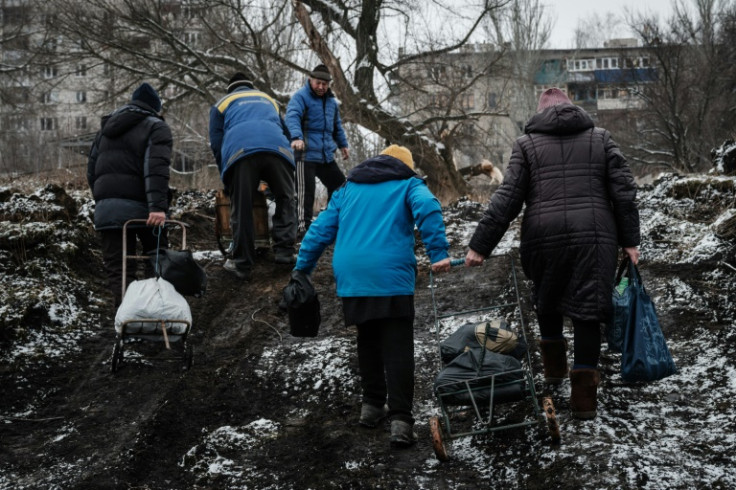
316,121
244,122
371,220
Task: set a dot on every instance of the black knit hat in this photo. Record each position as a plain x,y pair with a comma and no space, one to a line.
239,79
148,95
321,72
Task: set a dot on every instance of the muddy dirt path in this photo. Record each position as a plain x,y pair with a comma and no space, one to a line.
261,409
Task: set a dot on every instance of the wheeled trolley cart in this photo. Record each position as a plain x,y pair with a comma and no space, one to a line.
223,231
170,330
488,385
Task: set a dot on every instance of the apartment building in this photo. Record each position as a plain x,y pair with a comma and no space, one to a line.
53,92
485,117
475,100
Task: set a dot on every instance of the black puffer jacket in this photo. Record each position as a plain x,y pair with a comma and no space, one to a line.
580,207
128,166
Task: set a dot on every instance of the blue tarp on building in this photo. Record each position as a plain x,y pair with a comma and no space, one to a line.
626,75
551,73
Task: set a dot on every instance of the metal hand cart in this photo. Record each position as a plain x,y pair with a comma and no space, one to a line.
223,231
170,331
512,392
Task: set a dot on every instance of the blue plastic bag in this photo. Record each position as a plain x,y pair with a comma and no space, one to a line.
623,291
644,356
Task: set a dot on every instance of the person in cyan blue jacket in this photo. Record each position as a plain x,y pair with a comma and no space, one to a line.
371,220
251,143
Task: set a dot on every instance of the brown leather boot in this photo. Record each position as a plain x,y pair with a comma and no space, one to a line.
583,395
554,359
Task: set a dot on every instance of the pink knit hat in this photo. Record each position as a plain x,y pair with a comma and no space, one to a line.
550,97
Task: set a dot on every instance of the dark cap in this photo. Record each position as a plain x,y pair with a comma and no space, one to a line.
321,72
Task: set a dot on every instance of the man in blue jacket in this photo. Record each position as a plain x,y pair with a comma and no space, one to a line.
371,220
251,143
313,119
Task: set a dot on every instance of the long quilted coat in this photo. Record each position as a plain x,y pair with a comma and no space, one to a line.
580,207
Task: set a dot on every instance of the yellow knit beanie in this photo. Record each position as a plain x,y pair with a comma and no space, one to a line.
400,152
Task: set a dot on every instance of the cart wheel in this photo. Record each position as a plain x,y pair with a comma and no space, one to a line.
188,356
117,355
552,425
435,429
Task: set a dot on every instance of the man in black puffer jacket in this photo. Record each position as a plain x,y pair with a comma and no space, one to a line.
128,172
580,199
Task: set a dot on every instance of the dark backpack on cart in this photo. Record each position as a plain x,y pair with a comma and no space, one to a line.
180,269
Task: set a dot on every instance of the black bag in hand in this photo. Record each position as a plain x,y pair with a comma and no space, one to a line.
302,305
181,270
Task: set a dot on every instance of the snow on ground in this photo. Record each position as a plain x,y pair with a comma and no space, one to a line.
655,435
676,433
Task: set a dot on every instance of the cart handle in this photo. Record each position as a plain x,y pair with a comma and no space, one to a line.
455,262
181,224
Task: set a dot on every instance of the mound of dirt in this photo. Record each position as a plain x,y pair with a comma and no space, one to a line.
262,409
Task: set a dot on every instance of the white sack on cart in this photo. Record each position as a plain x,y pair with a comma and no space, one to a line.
152,299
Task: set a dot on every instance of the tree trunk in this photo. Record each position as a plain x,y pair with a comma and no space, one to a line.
434,159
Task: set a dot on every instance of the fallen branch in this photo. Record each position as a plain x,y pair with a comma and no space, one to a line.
728,265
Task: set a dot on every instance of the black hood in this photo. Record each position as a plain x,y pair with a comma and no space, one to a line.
125,118
380,169
559,119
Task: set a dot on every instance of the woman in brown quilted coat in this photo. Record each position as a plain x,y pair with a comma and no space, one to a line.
580,199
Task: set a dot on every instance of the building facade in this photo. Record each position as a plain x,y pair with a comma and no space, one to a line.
486,116
54,92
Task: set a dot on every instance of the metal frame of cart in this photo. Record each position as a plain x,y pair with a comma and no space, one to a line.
441,427
162,326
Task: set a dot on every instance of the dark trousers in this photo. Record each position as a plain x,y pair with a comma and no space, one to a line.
328,173
244,178
386,364
112,255
587,337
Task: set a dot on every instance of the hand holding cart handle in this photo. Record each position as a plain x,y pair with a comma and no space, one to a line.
474,259
156,218
441,265
444,265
